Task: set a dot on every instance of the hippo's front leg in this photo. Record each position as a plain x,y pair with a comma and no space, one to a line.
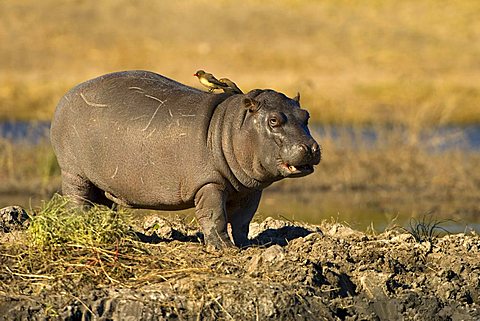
239,213
210,211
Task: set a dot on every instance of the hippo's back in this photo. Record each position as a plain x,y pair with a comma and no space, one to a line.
146,79
133,102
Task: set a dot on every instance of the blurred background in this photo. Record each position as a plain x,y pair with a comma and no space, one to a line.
393,88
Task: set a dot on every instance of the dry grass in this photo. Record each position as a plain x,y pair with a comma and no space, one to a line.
75,250
377,61
399,159
86,246
57,225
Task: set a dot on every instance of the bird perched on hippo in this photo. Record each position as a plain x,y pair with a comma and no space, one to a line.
212,83
231,88
209,81
142,140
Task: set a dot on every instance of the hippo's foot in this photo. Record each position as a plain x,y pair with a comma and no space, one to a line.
243,243
218,240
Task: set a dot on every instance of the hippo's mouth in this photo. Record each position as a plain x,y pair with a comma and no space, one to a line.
288,170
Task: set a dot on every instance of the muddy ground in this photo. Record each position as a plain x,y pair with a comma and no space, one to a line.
292,271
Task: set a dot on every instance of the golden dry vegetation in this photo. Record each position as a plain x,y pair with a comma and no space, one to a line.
353,62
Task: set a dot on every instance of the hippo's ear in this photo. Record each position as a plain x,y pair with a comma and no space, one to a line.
251,104
297,98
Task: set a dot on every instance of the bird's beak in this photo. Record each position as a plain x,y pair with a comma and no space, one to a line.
194,74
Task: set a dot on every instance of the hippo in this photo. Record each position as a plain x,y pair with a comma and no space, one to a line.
141,140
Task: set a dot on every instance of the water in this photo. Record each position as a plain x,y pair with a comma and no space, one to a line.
472,136
25,131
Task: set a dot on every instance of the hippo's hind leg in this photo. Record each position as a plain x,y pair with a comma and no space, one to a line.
239,214
82,191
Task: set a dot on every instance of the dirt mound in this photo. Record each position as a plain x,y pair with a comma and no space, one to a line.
292,271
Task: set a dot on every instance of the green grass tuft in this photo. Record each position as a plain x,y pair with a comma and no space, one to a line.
427,228
58,224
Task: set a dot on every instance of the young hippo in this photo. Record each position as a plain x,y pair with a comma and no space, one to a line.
141,140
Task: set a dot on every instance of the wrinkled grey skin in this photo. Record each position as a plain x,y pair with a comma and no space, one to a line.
141,140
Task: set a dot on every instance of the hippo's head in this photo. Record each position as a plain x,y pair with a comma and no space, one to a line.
274,141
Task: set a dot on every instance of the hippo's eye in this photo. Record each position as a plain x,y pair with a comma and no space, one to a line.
274,121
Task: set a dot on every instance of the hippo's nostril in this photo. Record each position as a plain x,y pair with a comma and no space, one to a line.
305,148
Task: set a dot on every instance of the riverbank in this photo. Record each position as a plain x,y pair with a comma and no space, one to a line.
292,271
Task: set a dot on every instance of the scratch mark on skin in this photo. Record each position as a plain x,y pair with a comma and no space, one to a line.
141,179
170,113
90,103
76,131
151,133
114,174
155,98
156,110
151,119
139,117
188,115
183,134
137,89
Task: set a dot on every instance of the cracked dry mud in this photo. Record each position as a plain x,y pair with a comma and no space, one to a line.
294,272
